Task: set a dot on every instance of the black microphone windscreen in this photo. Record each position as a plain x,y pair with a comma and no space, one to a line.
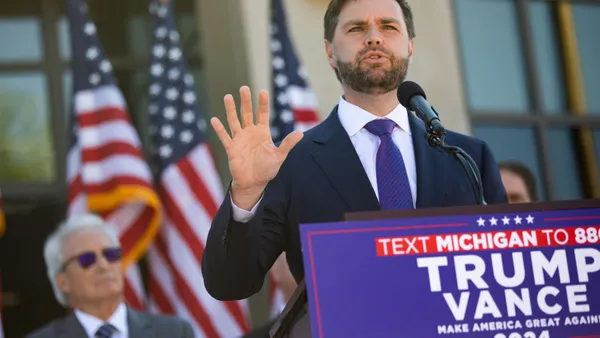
407,90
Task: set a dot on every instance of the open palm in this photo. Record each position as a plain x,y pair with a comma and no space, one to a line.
254,159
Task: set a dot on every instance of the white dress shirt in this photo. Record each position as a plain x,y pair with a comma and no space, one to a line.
353,119
118,319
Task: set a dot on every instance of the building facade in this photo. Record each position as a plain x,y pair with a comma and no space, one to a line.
523,75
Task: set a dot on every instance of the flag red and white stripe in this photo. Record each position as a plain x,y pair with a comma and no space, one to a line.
294,104
106,172
190,190
191,193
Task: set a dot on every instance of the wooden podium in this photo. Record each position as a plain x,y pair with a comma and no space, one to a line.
477,233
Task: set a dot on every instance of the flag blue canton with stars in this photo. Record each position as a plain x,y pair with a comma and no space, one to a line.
286,72
90,67
176,126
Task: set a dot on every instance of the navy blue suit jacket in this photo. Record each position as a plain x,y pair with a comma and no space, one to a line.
321,180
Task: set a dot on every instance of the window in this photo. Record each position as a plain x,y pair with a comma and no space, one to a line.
36,84
521,87
26,149
26,145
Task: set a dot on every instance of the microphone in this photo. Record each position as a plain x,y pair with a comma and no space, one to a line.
413,97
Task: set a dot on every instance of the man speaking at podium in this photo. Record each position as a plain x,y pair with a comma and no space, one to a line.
369,154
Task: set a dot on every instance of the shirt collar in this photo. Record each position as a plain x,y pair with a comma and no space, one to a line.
91,324
354,118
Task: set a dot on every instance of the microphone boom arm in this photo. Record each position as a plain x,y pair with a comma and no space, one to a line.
437,141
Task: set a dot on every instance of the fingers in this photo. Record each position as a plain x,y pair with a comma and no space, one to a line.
221,132
290,142
263,108
246,102
232,118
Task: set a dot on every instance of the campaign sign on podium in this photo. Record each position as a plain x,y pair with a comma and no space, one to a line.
528,271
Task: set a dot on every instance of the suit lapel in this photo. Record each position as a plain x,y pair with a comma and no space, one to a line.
430,166
71,327
337,157
139,326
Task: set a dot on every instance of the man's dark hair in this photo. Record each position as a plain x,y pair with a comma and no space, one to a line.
335,7
524,173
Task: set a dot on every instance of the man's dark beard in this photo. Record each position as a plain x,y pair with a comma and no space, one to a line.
365,80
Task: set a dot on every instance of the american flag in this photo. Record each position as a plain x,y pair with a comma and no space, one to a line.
106,172
189,188
294,103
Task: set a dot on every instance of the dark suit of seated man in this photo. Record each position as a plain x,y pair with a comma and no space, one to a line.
83,258
338,166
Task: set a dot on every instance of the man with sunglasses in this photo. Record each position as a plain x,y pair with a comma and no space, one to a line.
83,258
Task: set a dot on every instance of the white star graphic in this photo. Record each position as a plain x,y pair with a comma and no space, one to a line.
174,74
493,221
157,69
302,72
187,116
91,53
172,94
95,78
105,66
278,62
481,222
202,124
186,136
174,36
167,131
89,28
281,80
189,97
159,51
506,220
162,11
529,219
274,132
275,45
517,219
282,99
188,80
169,113
155,89
287,116
165,151
161,32
153,109
174,54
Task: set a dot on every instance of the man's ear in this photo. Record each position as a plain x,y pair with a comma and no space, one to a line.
62,282
411,49
330,55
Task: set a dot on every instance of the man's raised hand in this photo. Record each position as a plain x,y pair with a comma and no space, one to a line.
253,158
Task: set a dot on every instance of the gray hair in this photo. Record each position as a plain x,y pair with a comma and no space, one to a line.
53,249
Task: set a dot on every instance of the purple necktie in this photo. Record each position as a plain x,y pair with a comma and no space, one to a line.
392,180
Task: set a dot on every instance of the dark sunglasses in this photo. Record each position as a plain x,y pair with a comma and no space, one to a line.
89,258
